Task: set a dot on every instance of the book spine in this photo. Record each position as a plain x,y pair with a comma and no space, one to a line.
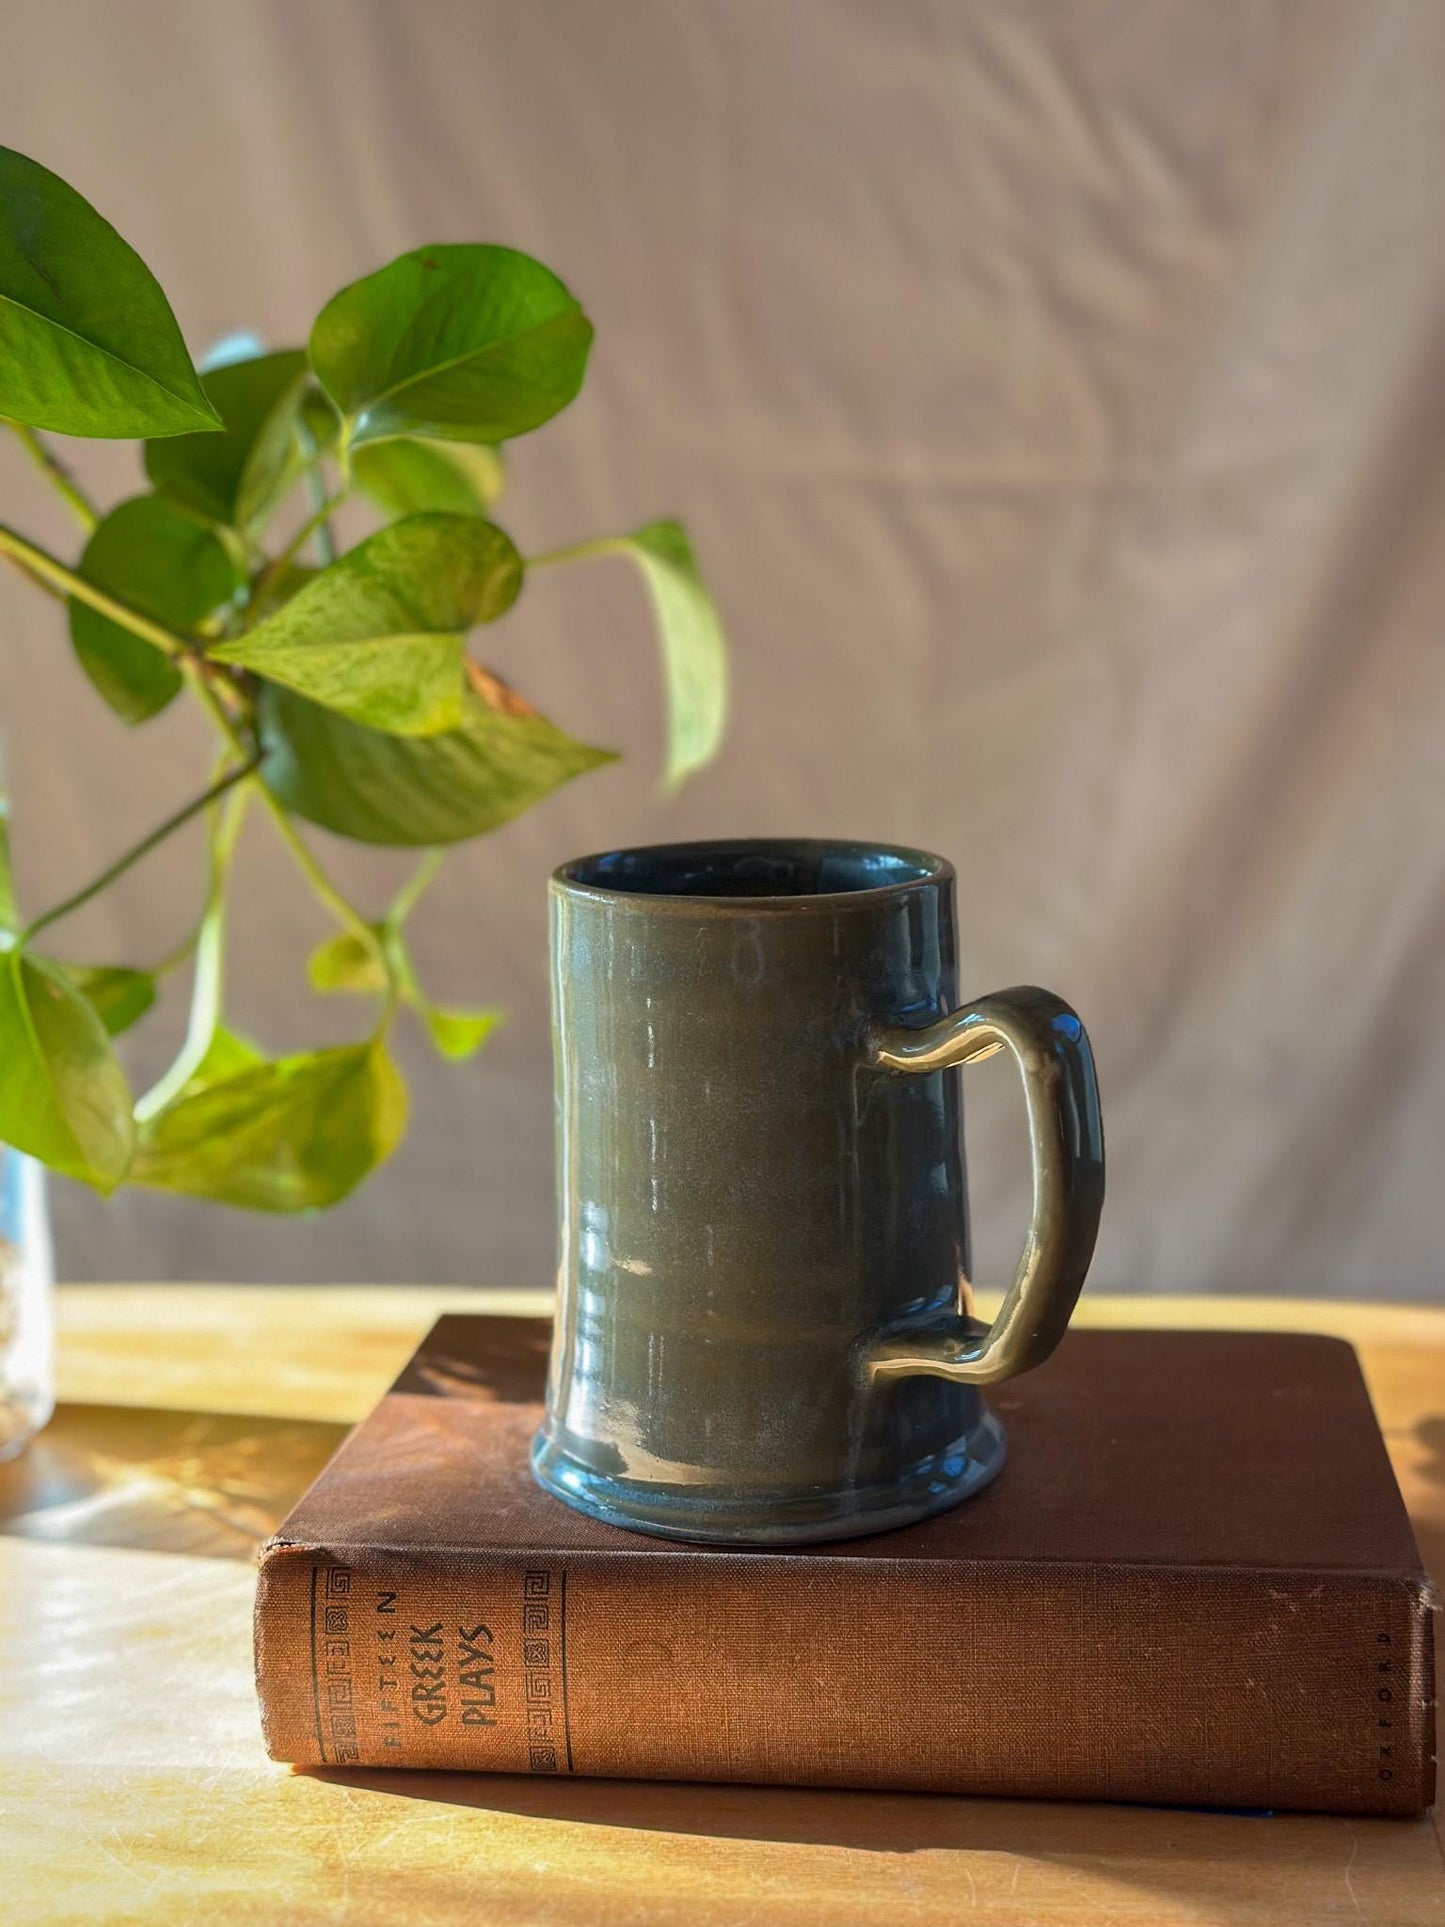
1178,1686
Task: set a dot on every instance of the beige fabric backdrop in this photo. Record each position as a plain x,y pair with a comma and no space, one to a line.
1056,394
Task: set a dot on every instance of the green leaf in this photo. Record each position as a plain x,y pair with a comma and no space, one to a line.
469,344
63,1097
320,422
119,997
344,962
404,478
295,1134
237,478
164,564
480,463
9,914
415,791
457,1034
377,636
694,654
269,592
226,1056
88,343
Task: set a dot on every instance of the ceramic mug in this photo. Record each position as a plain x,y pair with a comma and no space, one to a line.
763,1332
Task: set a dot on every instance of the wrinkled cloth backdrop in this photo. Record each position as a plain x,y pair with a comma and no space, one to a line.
1057,395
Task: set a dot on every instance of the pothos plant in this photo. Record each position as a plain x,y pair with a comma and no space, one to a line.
337,684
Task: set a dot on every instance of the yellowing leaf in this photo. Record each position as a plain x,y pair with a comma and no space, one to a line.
344,962
694,653
295,1134
414,791
377,636
458,1033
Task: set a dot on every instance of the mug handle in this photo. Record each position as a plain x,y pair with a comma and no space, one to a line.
1066,1136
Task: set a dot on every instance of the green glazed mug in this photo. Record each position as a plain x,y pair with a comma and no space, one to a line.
763,1333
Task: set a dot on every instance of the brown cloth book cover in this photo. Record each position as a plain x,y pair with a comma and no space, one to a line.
1194,1582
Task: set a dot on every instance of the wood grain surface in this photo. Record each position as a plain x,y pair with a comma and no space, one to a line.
136,1788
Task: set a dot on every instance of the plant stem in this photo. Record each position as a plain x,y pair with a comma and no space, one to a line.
38,581
580,551
173,959
210,962
38,564
315,520
407,896
143,848
314,481
59,476
345,913
215,708
188,944
316,493
35,561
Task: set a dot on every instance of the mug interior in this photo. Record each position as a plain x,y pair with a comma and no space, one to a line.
760,868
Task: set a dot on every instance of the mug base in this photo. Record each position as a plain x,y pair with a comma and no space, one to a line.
743,1518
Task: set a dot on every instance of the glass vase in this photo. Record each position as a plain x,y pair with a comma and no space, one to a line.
27,1284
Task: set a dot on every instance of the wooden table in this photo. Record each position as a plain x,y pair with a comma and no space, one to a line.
135,1787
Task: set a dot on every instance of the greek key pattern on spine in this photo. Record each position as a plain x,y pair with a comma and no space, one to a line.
333,1682
544,1674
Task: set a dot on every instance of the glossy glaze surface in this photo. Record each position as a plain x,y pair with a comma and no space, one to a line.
758,1211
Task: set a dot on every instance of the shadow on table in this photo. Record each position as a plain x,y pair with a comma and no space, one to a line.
1175,1855
208,1484
1431,1434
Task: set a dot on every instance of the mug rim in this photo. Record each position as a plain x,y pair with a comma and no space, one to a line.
932,871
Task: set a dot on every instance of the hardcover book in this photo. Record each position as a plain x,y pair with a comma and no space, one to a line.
1194,1582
